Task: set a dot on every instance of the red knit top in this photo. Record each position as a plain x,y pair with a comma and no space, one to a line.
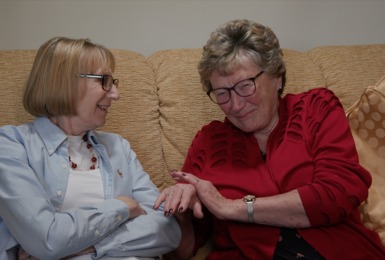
311,150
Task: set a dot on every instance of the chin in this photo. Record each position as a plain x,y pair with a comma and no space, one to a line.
99,124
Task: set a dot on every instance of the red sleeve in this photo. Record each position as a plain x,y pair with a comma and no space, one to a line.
340,183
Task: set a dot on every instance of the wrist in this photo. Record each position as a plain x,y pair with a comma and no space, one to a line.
249,201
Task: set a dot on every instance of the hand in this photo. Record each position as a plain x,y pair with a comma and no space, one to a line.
178,198
135,209
23,255
207,193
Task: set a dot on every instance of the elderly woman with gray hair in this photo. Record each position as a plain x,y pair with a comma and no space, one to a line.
279,178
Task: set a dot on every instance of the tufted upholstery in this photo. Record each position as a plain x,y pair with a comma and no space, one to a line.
162,104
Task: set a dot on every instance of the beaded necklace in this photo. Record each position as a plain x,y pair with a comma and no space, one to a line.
93,158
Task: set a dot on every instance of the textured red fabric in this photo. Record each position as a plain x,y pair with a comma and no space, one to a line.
311,150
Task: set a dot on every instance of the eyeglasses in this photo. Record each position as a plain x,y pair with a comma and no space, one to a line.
106,80
243,88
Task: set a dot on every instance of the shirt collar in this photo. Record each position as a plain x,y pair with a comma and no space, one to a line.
50,133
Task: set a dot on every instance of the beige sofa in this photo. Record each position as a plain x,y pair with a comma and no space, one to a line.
162,104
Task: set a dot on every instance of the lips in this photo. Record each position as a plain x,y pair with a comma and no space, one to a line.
244,115
103,107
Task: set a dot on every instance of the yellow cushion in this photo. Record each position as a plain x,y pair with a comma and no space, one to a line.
367,122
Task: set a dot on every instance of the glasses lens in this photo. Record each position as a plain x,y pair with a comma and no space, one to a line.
115,82
220,96
107,82
245,88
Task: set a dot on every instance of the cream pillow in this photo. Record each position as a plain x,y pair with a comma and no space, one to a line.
367,122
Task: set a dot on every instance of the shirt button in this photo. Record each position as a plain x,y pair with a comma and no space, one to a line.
97,233
65,166
118,218
59,193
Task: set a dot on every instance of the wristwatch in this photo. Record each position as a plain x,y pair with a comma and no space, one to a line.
249,200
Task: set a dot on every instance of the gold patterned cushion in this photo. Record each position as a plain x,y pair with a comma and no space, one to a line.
367,122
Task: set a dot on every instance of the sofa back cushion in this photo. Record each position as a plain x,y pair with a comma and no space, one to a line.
14,70
184,107
348,70
301,72
135,115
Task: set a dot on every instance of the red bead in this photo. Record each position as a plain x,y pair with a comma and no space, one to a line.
93,159
92,167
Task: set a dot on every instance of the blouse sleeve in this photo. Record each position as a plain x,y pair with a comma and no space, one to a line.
339,183
147,235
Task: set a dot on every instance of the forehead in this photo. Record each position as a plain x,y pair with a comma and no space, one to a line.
229,65
218,78
97,60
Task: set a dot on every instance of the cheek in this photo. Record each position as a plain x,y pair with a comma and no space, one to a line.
87,105
226,108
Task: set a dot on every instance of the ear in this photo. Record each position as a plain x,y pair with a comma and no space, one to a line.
279,82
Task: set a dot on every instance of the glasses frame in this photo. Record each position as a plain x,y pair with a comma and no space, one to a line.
102,77
233,89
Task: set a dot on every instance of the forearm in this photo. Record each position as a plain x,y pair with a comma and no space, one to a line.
147,236
67,238
279,210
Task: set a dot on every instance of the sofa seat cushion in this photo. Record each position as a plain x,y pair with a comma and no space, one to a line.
367,121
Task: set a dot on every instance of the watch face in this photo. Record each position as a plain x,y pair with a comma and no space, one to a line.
249,198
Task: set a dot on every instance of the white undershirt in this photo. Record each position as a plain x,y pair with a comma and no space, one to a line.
85,187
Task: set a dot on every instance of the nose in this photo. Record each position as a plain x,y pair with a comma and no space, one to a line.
113,93
236,101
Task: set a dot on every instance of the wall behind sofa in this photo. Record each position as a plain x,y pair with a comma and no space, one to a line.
146,26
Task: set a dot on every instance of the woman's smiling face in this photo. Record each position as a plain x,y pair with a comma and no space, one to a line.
256,113
92,108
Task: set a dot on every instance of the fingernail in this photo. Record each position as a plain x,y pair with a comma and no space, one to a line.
170,211
180,209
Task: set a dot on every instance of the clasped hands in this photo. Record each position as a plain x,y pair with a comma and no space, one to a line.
190,193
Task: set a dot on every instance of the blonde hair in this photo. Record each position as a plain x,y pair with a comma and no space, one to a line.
235,41
53,87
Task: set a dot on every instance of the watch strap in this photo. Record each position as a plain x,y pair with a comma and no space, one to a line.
250,211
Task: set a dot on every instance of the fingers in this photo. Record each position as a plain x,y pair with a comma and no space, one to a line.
177,199
170,197
197,209
172,200
185,177
187,197
180,197
161,198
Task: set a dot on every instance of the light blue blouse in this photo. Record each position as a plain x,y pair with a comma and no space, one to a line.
34,172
